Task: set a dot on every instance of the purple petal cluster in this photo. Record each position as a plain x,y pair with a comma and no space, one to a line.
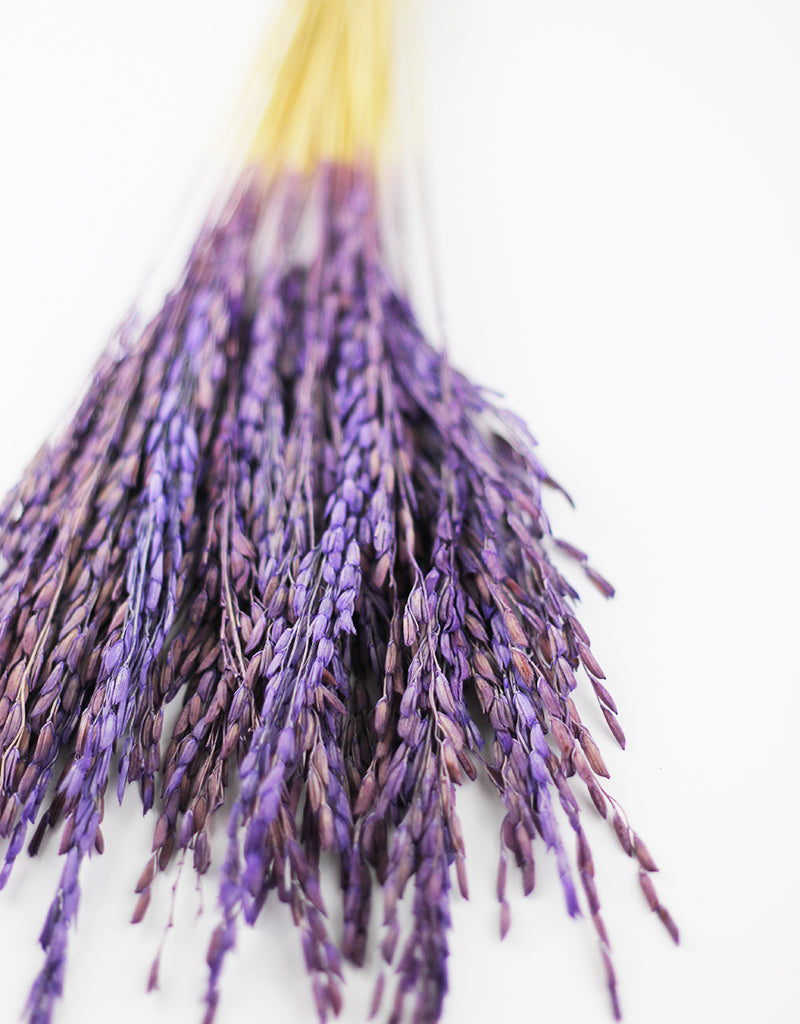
278,505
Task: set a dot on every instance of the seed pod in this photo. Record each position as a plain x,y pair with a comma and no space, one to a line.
141,907
593,755
614,726
643,854
505,919
146,877
623,834
523,667
515,630
562,736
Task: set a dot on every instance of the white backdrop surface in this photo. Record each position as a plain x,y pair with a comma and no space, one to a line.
614,195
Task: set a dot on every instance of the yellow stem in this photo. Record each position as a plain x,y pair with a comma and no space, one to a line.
329,100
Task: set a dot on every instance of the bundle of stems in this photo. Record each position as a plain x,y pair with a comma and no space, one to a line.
280,506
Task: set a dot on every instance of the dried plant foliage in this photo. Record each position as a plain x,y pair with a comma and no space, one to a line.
280,506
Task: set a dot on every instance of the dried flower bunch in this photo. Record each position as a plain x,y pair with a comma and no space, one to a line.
277,504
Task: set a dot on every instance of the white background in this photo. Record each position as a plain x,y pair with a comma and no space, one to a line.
614,189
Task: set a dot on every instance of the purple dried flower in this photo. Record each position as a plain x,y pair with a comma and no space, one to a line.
279,505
